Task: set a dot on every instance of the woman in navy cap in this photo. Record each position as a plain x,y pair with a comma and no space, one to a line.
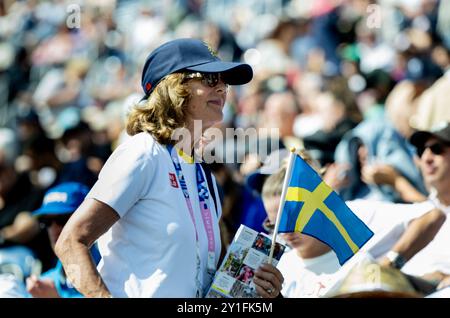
153,209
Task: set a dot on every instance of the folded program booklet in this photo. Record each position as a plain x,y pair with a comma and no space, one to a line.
248,250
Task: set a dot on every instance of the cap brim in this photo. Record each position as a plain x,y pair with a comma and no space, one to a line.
233,73
419,138
52,211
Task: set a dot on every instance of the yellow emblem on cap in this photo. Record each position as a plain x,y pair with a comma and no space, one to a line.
210,49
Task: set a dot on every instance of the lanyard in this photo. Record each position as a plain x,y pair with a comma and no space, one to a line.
203,196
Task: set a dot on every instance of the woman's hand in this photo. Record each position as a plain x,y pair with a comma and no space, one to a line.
268,281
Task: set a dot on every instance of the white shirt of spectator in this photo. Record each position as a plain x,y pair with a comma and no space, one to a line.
12,287
151,250
436,255
433,257
311,278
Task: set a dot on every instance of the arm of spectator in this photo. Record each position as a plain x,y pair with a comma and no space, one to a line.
24,228
435,276
92,219
385,174
336,175
444,283
419,233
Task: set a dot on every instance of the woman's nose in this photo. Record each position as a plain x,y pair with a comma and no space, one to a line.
221,87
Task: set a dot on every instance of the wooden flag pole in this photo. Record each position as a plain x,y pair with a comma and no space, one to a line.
282,201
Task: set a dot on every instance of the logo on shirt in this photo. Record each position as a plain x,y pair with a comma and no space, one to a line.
173,180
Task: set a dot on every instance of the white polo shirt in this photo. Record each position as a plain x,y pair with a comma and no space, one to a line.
151,250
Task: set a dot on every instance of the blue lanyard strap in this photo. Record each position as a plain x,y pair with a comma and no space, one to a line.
203,196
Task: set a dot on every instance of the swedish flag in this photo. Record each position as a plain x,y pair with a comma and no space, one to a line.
312,207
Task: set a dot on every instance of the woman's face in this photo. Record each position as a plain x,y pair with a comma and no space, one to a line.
206,103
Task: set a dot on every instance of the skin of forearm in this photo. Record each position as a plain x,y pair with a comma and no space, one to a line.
407,192
80,268
419,233
91,220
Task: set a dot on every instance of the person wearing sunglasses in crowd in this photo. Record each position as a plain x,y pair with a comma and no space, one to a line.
58,205
433,261
411,237
310,268
152,211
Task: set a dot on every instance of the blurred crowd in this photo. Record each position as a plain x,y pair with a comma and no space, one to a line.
348,80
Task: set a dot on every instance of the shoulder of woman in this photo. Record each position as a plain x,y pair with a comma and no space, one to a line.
137,153
141,145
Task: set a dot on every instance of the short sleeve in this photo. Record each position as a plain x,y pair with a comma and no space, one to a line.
125,178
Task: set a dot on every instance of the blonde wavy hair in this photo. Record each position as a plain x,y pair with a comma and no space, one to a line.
164,111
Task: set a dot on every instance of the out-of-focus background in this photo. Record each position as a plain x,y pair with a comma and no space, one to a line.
349,80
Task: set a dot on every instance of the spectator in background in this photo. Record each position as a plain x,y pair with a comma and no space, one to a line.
275,49
28,126
403,101
61,94
20,235
433,261
372,98
326,32
82,153
280,110
64,87
222,41
311,268
339,114
47,169
19,74
375,155
432,106
58,205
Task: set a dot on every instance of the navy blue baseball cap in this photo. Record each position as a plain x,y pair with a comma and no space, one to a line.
190,55
64,198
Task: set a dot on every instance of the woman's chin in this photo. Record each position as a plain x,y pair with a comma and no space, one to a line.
207,125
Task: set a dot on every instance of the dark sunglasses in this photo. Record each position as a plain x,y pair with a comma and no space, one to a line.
209,79
60,220
437,148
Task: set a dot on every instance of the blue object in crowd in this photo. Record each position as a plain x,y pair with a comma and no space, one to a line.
64,198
